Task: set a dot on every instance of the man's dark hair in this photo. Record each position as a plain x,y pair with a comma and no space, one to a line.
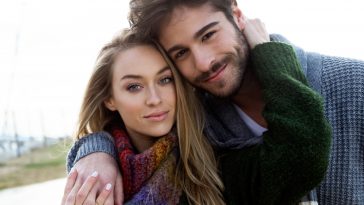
146,16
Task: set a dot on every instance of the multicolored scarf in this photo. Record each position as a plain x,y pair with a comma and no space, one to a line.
148,177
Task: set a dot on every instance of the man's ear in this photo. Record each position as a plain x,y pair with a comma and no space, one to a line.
238,16
109,103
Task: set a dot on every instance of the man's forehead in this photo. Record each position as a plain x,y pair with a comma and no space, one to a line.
187,19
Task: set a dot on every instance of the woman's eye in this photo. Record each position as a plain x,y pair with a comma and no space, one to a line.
208,35
134,87
166,80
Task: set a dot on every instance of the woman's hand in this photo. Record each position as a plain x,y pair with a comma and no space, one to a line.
88,184
77,195
255,32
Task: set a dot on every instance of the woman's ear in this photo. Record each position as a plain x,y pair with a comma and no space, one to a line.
109,103
238,16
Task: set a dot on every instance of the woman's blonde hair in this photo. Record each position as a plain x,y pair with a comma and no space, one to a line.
197,172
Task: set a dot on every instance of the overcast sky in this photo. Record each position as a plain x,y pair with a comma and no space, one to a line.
48,48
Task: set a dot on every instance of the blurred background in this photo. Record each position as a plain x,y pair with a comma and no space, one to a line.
47,52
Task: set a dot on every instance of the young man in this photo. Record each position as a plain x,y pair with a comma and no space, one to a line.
203,38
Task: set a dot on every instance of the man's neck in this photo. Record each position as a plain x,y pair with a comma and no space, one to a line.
250,99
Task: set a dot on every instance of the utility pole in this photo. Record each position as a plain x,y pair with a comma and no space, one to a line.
16,137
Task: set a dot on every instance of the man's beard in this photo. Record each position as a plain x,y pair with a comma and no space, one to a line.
238,62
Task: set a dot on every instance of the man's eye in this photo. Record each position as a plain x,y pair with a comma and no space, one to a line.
166,80
134,87
208,35
180,53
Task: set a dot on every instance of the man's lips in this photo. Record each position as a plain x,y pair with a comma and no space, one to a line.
216,74
157,116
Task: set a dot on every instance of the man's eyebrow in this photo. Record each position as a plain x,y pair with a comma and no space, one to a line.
204,29
174,48
197,35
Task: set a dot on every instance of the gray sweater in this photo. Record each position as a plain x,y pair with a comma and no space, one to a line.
339,80
341,83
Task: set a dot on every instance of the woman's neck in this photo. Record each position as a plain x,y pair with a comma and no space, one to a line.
141,142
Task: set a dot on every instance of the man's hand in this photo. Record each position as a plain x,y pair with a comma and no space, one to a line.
255,32
89,183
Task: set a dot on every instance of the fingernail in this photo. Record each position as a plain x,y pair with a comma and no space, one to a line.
94,174
108,186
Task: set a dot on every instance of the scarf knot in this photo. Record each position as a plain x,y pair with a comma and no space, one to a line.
148,177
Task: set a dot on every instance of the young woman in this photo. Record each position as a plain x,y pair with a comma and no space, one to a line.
157,125
137,97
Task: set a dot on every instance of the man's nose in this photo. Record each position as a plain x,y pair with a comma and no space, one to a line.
203,60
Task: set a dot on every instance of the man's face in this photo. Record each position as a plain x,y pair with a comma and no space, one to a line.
210,52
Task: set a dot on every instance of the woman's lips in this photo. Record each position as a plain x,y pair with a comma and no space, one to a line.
157,116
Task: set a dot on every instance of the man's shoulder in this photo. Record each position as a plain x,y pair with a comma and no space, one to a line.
307,55
302,55
311,63
279,38
316,67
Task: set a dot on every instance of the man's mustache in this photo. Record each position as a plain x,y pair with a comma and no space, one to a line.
214,67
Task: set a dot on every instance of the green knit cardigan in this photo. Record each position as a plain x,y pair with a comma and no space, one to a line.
294,155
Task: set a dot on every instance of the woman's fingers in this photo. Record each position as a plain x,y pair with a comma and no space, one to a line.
81,194
103,196
86,189
71,179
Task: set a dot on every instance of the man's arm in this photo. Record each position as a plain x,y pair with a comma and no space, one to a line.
95,142
294,155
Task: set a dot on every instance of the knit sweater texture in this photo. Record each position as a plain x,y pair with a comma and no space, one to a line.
293,157
341,83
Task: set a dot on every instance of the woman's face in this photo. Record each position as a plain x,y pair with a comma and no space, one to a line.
143,93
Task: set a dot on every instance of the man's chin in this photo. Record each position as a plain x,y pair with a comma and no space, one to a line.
220,90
